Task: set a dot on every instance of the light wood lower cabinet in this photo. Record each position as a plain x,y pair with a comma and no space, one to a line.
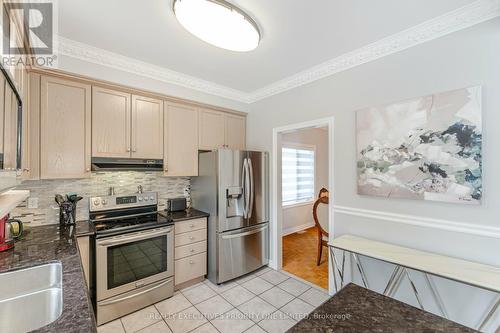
181,140
65,128
84,249
190,250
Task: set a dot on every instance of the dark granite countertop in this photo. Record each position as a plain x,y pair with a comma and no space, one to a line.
356,309
187,214
46,244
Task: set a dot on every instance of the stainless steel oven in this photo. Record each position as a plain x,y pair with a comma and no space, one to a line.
133,270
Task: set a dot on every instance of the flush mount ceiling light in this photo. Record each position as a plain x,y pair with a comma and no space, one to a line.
219,23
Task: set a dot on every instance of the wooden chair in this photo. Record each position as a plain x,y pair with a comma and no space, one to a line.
323,198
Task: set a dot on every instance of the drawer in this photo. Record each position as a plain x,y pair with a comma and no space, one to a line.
190,249
190,225
190,268
191,237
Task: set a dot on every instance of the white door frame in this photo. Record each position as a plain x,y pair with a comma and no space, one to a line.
276,206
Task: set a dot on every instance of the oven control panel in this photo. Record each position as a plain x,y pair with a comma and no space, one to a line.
123,201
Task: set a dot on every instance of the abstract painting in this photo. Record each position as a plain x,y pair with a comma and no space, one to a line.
427,148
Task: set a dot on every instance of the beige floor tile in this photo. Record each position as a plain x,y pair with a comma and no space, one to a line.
159,327
294,287
274,277
297,309
199,293
214,307
140,319
185,320
232,322
314,297
255,329
237,295
111,327
257,285
245,278
276,297
173,305
278,323
220,288
206,328
263,270
256,309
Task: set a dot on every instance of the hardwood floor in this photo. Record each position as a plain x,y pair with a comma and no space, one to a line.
299,257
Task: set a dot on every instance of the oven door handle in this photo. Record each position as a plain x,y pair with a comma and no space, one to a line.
128,239
121,299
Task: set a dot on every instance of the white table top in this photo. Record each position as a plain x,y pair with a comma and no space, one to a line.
10,199
469,272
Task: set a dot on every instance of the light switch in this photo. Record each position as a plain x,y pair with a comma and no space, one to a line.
32,203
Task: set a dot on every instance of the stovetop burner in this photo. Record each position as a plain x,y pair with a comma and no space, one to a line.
125,223
115,215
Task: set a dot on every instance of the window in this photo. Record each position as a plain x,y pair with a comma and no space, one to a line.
297,174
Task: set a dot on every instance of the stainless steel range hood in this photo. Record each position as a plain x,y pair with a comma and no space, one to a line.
117,164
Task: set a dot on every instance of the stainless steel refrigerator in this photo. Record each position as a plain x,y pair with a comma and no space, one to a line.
233,186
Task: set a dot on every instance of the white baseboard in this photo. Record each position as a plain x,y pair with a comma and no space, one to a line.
466,228
301,227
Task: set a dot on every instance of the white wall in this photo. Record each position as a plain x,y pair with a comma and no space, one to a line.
100,72
466,58
296,217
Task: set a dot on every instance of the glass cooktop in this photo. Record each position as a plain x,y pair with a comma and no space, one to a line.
104,224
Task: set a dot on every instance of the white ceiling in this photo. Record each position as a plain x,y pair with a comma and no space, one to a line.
296,34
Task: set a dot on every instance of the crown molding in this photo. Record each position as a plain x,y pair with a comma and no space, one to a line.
88,53
459,19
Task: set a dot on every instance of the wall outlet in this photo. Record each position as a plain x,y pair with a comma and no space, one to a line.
32,203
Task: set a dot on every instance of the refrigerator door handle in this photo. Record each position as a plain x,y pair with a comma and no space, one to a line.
245,233
245,187
252,189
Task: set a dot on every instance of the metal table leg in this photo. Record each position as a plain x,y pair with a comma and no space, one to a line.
361,270
340,269
489,315
435,294
414,288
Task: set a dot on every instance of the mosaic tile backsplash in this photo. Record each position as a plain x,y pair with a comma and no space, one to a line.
124,182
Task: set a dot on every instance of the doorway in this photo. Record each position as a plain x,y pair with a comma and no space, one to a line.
302,169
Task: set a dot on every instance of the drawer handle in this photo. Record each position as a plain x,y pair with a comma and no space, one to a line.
191,262
192,250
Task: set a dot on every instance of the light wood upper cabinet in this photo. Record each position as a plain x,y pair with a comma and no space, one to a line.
221,130
181,140
235,129
147,127
211,130
65,128
2,111
111,117
10,129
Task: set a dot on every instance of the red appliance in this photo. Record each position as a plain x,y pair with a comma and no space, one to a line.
5,243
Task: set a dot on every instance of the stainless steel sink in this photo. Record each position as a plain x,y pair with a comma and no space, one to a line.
30,298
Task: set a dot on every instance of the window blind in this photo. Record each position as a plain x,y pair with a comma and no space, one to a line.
297,175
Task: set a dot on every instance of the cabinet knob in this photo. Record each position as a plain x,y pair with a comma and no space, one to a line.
88,169
191,237
191,225
192,250
191,262
128,150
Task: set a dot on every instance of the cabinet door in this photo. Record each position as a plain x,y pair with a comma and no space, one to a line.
65,120
211,129
2,113
147,127
181,140
110,123
10,129
235,131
